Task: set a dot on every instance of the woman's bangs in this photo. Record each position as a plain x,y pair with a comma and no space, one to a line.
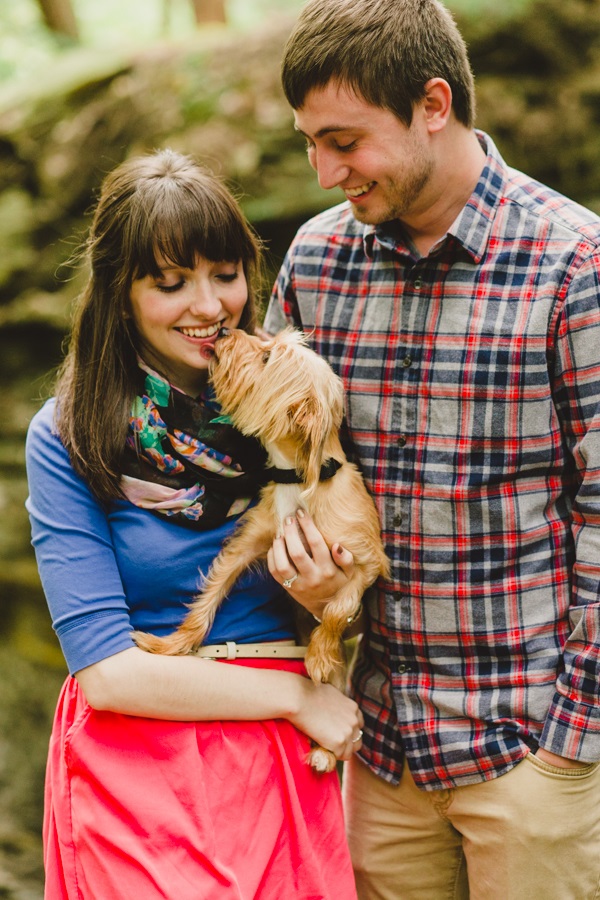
193,227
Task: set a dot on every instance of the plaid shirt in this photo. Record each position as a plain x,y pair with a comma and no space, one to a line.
472,380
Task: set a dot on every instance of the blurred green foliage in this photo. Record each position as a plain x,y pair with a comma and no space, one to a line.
27,47
486,7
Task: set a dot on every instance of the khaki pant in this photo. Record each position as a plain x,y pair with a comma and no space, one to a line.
532,834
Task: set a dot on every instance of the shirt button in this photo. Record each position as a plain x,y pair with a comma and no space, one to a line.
418,284
397,521
407,361
401,441
403,669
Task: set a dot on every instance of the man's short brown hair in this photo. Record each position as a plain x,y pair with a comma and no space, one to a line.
383,50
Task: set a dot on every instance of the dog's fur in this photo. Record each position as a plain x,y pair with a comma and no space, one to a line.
284,394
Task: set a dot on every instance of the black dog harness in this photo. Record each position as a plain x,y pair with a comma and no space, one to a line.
291,476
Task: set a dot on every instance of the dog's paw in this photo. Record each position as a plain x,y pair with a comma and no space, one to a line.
319,668
325,659
322,760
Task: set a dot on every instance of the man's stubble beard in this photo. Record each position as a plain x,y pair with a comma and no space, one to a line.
400,198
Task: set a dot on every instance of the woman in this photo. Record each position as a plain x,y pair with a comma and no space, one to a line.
171,777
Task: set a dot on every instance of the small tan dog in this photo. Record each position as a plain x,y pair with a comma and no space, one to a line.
281,392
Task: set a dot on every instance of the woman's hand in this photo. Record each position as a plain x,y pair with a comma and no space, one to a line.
302,562
331,719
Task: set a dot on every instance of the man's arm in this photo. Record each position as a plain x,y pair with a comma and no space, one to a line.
572,728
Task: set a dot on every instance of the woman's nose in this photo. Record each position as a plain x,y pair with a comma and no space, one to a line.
204,301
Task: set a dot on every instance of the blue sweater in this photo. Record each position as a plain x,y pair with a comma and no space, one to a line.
105,573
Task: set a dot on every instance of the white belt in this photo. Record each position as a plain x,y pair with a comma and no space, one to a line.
231,650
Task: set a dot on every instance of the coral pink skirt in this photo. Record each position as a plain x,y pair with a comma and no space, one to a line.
141,809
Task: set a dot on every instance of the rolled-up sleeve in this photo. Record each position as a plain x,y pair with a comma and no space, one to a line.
74,552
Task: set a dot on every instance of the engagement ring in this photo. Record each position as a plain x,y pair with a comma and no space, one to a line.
357,739
289,581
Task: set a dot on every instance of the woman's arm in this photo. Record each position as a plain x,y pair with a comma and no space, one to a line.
192,689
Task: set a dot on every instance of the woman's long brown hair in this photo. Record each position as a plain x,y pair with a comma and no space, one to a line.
160,206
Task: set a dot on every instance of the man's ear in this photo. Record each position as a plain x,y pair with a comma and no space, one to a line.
437,104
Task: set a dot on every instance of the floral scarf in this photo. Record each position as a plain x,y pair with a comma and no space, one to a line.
184,458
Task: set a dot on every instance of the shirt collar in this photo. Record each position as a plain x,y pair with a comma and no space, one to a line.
471,228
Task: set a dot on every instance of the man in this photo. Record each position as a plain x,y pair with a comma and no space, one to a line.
459,300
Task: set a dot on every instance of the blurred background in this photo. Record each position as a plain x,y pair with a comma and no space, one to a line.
83,85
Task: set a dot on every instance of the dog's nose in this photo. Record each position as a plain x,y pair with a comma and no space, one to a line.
223,332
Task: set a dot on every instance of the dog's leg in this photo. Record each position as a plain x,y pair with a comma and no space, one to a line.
248,545
325,659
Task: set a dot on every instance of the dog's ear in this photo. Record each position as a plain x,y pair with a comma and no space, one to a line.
318,415
314,422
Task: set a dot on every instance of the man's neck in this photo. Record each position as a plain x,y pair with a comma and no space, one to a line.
461,161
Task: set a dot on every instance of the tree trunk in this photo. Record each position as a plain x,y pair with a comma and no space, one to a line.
209,11
59,17
166,17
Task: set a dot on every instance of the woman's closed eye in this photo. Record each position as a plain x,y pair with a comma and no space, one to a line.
228,277
170,288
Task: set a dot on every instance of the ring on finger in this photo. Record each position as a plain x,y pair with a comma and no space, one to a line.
289,581
357,739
